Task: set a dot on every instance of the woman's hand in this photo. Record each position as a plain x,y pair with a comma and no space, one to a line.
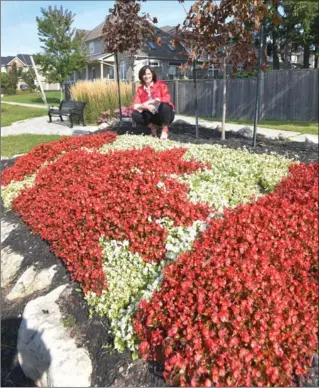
149,106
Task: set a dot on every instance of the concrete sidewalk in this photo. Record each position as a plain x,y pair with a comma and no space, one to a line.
41,125
22,104
270,133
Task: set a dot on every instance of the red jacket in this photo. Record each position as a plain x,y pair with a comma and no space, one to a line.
158,90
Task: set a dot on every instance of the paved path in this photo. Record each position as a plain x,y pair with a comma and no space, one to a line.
271,133
22,104
40,125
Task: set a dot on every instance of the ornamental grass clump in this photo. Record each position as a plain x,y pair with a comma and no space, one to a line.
100,96
241,308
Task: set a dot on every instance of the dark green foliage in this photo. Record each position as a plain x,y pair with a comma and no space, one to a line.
14,74
29,77
64,47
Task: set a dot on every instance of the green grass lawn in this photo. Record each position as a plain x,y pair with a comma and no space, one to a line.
20,144
13,113
306,127
53,98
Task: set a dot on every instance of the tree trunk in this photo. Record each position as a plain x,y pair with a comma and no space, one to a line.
133,75
196,101
306,56
316,61
118,84
275,57
224,98
286,50
61,91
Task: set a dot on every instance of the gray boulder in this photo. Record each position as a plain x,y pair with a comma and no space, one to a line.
46,352
245,132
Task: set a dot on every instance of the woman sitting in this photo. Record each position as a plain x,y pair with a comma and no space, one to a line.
152,104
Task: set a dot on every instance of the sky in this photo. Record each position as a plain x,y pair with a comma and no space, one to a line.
19,27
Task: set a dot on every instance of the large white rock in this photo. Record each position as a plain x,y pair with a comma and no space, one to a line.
31,281
6,229
46,352
10,265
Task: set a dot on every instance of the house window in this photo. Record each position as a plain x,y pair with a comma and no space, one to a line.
171,47
154,63
123,71
93,73
240,67
91,47
177,64
152,45
174,70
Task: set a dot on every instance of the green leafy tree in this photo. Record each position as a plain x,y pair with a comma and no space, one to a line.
64,47
29,77
4,81
126,31
298,29
14,74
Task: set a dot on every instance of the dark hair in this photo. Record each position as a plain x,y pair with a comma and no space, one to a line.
143,71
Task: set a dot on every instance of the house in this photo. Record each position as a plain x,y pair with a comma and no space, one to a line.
24,61
164,58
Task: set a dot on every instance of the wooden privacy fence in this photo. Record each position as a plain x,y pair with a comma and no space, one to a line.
284,95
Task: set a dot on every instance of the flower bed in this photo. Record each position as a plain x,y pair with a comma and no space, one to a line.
202,257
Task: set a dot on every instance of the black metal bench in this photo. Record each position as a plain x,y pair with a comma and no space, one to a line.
70,109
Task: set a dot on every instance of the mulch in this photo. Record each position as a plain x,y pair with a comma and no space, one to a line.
111,368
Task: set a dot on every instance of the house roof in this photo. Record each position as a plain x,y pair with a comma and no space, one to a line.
108,57
85,32
95,33
25,58
6,60
161,51
168,29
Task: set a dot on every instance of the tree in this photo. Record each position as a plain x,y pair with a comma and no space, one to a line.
126,31
64,47
29,77
298,28
14,74
216,32
4,81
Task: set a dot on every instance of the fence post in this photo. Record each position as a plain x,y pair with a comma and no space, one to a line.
262,96
176,96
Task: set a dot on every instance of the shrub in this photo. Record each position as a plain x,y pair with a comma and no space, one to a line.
241,308
100,96
4,81
10,91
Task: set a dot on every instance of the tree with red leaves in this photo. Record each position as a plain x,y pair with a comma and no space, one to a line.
126,31
224,32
